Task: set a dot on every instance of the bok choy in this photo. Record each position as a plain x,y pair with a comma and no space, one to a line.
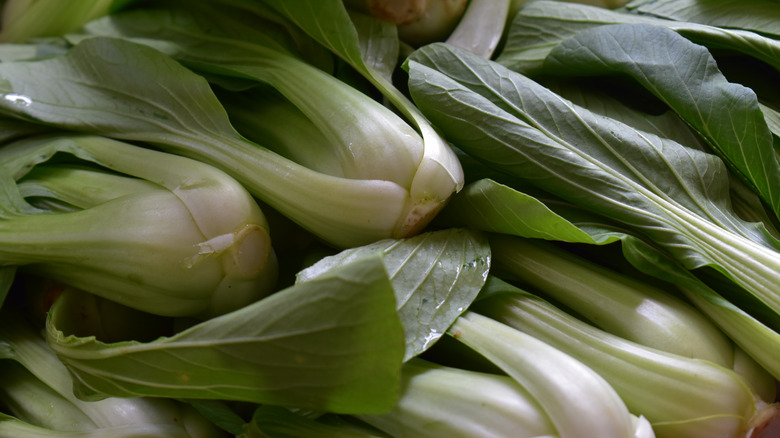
627,306
678,395
175,109
154,231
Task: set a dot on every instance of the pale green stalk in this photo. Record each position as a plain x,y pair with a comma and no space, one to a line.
371,143
578,401
481,27
439,401
31,399
617,303
679,396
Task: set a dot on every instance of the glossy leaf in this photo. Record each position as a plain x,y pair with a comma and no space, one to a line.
435,277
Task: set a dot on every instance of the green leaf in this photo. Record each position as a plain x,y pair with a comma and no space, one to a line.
24,20
332,344
673,195
762,16
490,206
686,77
435,275
541,25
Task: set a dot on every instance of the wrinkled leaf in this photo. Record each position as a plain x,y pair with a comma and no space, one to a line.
686,77
541,25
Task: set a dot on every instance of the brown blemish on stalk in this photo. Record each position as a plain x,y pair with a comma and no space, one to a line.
766,422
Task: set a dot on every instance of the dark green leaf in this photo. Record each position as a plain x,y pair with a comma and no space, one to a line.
685,77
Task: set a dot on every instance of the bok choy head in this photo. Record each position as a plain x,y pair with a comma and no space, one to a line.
154,231
125,90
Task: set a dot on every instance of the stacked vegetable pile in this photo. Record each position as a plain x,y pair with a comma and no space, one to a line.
322,218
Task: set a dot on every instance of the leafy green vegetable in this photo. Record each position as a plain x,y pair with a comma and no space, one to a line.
748,333
364,44
761,342
435,277
192,241
332,344
673,195
129,91
365,139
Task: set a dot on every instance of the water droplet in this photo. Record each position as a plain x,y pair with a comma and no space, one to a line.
430,338
18,99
